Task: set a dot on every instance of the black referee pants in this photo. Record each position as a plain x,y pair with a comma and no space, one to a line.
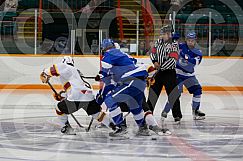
165,78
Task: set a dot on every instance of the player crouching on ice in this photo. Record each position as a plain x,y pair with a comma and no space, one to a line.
189,58
148,115
127,84
77,94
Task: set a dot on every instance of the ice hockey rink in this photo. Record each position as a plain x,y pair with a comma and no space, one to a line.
28,132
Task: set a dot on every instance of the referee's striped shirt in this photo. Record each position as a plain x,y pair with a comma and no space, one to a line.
163,49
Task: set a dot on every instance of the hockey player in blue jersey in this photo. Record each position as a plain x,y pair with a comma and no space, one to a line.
126,83
189,58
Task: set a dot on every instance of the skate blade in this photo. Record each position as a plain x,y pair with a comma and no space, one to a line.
125,137
138,135
199,118
177,123
68,134
101,127
167,133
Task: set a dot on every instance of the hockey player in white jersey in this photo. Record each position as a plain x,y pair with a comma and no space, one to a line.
77,95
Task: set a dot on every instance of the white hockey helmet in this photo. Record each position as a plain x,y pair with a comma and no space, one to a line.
117,46
68,60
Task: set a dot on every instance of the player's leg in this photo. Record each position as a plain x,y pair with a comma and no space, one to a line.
94,109
136,103
62,112
195,88
131,92
148,115
154,91
151,121
116,116
173,94
135,106
124,108
168,107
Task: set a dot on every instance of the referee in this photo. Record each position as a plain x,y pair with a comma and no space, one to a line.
164,56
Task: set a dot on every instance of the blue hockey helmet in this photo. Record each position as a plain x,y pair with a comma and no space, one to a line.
107,43
191,35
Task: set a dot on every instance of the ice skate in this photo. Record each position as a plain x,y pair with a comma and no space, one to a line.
163,117
159,131
101,126
67,129
119,131
177,120
143,131
166,131
198,115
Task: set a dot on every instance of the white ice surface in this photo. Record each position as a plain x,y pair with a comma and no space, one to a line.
27,132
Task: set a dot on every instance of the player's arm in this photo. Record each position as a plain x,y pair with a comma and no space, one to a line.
100,97
46,74
106,77
151,74
196,60
154,56
107,64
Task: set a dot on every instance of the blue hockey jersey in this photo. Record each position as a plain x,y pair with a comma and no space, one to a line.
188,59
117,66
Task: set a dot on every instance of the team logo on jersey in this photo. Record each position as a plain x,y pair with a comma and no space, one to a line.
183,62
83,91
86,92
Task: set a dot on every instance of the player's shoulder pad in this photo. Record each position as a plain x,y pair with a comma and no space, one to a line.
114,51
197,51
61,65
112,55
182,45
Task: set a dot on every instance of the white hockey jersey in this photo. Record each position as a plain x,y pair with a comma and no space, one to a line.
72,83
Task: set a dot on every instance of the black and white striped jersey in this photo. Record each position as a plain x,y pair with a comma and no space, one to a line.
161,54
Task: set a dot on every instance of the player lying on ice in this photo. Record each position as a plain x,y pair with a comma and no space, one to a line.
124,82
75,95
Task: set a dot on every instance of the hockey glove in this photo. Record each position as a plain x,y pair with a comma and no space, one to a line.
151,71
59,96
97,78
44,77
99,98
150,82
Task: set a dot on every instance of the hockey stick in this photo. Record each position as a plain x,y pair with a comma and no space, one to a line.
53,89
87,84
88,77
90,123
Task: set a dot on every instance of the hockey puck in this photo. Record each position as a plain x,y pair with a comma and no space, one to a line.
153,138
